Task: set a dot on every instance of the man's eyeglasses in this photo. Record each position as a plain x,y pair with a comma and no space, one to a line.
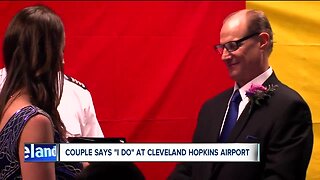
232,45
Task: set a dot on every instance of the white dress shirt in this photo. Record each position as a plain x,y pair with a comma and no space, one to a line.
259,80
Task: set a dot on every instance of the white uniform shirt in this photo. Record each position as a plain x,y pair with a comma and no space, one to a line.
3,75
76,109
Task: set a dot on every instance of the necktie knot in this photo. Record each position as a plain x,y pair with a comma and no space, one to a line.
236,97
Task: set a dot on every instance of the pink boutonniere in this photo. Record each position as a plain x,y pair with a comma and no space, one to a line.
259,93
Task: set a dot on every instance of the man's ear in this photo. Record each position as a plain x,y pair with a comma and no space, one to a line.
264,39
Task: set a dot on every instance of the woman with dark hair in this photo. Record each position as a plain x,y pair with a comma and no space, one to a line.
33,57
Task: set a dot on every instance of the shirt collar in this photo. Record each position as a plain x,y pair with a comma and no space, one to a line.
259,80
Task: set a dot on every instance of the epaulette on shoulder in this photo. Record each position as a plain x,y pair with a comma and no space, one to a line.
73,80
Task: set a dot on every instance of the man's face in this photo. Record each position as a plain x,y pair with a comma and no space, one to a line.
243,63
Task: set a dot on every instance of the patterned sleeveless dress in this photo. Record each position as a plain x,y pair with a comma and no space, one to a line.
9,143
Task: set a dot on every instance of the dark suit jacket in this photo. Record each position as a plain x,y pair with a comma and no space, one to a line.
282,125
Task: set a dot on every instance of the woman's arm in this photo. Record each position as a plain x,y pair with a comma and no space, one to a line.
39,129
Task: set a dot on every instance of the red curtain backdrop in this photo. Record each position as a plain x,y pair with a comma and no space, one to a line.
148,65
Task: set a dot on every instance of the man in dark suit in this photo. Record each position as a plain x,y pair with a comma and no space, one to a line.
267,112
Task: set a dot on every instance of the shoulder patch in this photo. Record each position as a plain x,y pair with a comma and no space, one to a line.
73,80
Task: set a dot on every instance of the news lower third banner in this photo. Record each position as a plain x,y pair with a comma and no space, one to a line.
142,152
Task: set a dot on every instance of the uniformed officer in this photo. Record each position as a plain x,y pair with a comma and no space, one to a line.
76,108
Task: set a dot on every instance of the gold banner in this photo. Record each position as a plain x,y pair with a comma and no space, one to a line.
295,58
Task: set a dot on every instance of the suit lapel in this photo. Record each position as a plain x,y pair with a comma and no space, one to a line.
272,80
241,123
248,111
224,104
219,115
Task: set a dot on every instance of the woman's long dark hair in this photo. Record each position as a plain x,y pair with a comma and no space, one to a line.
33,54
